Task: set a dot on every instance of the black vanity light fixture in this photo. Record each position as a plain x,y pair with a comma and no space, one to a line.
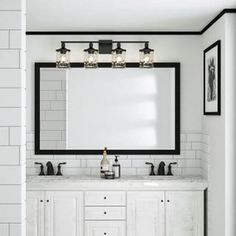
118,55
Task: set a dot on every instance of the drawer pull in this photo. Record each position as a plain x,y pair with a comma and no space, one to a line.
162,201
168,200
105,212
41,200
105,198
105,233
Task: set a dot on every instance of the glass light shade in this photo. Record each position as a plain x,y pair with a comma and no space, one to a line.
63,59
146,56
146,59
118,60
90,57
91,60
118,57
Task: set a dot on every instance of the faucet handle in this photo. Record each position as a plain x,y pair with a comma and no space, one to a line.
169,168
41,168
59,168
152,168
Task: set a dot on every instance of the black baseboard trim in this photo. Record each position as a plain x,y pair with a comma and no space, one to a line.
225,11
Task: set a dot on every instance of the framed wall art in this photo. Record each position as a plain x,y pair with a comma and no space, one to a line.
211,83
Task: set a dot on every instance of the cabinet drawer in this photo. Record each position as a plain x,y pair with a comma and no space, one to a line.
105,228
105,198
105,213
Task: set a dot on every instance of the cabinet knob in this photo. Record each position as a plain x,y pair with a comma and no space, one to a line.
105,198
105,212
105,233
47,200
41,200
162,201
168,200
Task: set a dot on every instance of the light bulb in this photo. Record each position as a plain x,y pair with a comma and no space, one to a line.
146,59
118,59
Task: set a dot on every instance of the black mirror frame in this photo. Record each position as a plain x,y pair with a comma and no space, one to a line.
175,151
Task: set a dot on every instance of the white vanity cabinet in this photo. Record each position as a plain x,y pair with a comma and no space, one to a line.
169,213
116,207
145,213
54,213
184,213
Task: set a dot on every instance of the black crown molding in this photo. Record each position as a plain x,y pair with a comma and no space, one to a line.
225,11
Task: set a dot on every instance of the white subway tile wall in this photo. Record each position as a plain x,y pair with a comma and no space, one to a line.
192,160
53,109
12,115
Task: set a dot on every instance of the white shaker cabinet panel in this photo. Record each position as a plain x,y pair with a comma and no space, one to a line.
35,213
64,213
105,228
184,213
145,213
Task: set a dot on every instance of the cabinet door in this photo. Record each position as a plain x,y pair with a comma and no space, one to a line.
105,228
184,213
145,213
64,213
35,213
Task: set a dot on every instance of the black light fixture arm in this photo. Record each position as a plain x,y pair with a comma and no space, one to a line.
98,41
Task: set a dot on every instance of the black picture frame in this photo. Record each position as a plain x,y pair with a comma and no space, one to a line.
212,79
175,151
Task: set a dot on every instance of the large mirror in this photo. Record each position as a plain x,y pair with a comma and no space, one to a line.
129,111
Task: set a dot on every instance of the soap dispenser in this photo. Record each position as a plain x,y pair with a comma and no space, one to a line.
116,168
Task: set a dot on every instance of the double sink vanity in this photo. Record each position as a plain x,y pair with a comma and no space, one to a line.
130,206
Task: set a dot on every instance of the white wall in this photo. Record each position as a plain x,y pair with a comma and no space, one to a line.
12,117
230,124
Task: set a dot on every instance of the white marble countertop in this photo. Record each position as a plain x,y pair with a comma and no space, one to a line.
125,183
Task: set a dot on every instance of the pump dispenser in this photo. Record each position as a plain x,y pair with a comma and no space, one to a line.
116,168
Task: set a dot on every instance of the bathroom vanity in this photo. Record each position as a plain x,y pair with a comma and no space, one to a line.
130,206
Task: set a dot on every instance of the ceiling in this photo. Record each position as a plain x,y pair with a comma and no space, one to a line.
122,15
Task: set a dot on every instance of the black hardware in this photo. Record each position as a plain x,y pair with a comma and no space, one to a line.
105,213
50,169
152,168
161,168
105,46
41,168
168,200
162,201
59,168
41,200
173,151
105,233
169,168
47,200
105,198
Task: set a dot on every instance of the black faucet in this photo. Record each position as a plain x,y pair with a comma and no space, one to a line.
169,168
59,168
41,168
161,168
50,169
152,168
